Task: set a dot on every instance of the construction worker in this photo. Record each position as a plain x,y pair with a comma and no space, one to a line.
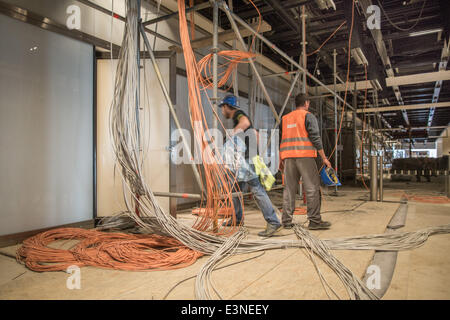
244,138
300,143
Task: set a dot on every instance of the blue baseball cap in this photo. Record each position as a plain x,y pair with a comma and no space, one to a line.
231,100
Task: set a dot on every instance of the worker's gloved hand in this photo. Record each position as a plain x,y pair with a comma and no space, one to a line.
326,162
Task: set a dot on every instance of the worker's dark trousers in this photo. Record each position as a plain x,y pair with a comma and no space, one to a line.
294,168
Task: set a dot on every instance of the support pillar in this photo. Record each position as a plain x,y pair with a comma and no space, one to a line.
380,180
335,117
373,177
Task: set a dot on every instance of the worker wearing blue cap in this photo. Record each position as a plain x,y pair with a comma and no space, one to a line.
245,175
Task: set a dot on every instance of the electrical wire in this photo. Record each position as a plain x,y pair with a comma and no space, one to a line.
331,36
117,251
400,28
215,269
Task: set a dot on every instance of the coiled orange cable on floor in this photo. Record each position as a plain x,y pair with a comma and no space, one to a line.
108,250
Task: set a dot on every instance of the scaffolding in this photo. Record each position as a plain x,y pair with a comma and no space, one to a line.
297,69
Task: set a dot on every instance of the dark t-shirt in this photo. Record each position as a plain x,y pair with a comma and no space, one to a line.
236,117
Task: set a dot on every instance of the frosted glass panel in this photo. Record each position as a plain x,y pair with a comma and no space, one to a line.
46,128
155,137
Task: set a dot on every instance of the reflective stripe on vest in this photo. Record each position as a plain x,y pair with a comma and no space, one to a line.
295,142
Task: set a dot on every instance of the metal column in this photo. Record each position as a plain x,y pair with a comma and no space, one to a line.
355,103
447,178
373,178
138,97
235,72
171,107
252,63
303,16
335,118
215,98
138,57
380,181
285,103
215,49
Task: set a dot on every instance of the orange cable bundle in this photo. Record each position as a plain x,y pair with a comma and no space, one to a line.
203,211
233,57
428,199
218,179
108,250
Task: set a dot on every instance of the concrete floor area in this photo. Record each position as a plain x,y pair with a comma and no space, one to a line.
276,274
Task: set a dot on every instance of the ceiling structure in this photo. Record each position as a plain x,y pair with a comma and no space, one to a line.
412,41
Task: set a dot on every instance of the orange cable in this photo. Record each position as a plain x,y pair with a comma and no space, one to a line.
108,250
331,36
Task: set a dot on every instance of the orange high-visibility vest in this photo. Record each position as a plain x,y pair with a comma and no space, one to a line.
295,142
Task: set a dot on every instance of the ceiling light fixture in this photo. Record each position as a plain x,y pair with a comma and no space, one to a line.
326,4
425,32
359,56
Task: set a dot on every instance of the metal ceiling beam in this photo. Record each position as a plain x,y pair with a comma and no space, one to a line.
295,26
175,14
228,35
250,11
418,78
284,14
406,107
395,82
445,10
382,51
438,85
409,129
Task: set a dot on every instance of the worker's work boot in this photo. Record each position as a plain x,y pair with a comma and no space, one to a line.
229,223
319,225
270,230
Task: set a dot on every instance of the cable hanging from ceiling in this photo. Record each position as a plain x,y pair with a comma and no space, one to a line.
419,18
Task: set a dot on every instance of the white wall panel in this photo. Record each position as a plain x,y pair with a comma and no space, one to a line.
155,119
46,128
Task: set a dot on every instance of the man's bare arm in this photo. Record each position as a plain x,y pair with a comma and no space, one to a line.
243,125
324,158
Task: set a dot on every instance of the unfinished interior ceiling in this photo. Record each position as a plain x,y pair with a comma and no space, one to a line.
412,41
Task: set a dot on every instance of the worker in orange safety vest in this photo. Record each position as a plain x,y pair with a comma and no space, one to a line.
300,144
